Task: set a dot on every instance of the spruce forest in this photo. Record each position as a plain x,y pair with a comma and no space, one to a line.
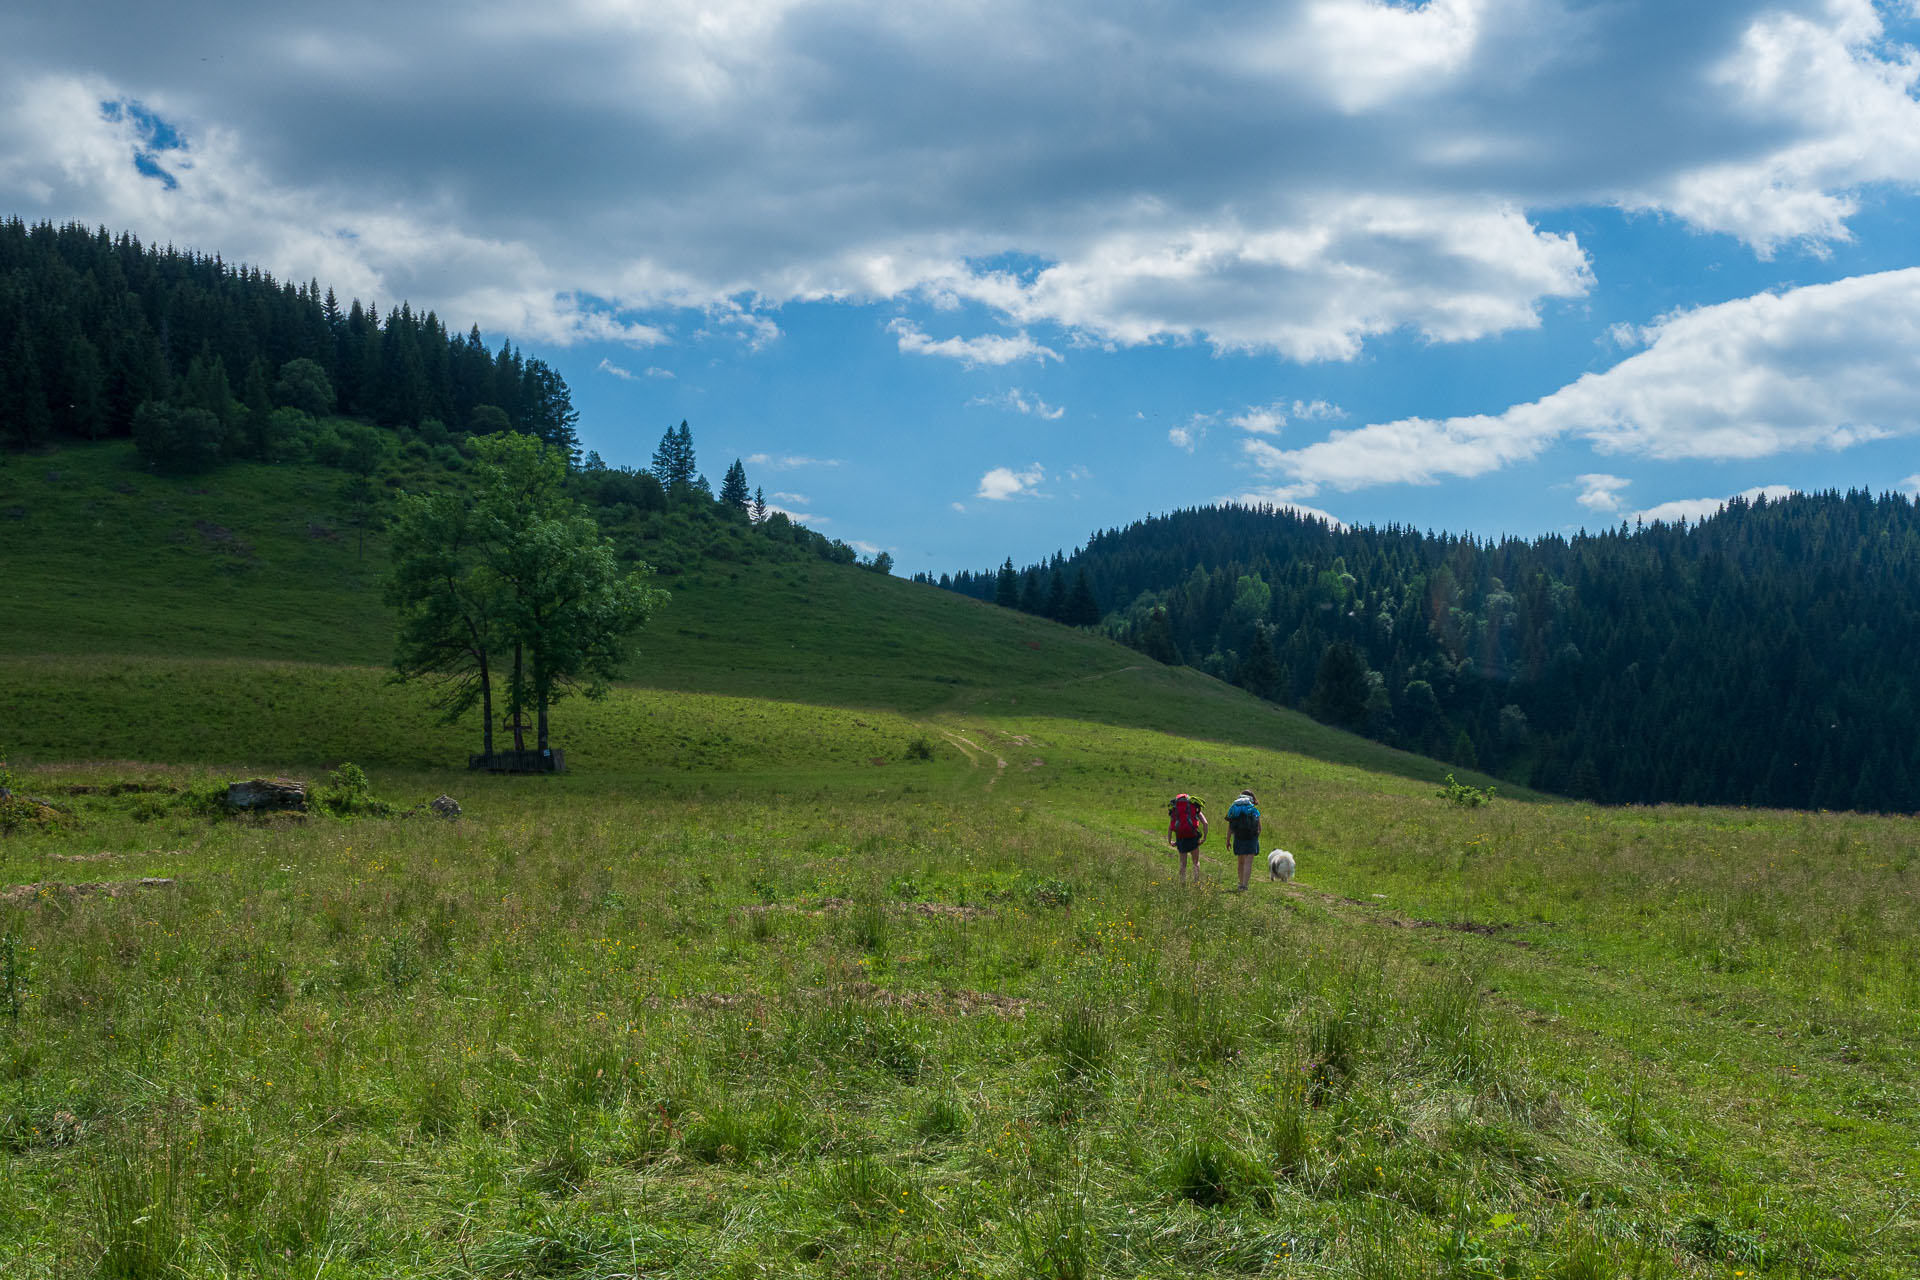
1760,657
94,326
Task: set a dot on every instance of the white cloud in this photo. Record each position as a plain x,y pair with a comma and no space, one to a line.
1824,366
991,348
1263,420
800,498
1002,483
865,548
64,153
1845,115
1911,485
1600,492
1296,177
1695,510
608,366
1313,286
1283,499
1316,410
1018,401
787,461
1266,420
798,517
655,371
1187,438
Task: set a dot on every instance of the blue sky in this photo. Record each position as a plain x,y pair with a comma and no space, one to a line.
962,282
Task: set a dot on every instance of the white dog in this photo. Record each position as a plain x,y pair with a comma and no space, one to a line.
1279,865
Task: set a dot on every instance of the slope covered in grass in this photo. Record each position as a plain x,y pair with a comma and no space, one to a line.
215,574
758,990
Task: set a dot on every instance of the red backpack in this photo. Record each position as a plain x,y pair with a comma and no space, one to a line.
1184,813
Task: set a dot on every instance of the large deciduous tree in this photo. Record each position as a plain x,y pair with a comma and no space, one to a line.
520,575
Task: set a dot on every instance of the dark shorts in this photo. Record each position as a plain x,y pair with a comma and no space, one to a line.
1246,846
1187,844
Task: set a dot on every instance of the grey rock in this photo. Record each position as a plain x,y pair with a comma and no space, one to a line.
267,795
445,806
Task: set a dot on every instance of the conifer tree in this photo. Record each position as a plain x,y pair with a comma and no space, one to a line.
1006,591
1082,609
733,489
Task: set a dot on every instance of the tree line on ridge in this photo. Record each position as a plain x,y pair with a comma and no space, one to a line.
1764,656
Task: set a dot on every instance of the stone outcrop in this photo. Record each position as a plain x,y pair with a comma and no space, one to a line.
444,807
267,795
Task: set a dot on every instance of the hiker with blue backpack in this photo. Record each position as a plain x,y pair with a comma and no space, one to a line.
1243,820
1187,831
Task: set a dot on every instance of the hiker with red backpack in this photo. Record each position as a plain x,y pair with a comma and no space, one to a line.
1187,831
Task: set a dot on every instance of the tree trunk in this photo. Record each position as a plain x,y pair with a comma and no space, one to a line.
486,707
540,704
519,722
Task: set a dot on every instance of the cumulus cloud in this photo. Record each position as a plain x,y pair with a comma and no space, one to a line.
1695,510
625,375
1824,366
991,348
1911,485
1020,402
1002,483
1600,492
1295,177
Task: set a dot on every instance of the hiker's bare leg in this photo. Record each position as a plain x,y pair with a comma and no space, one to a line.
1246,868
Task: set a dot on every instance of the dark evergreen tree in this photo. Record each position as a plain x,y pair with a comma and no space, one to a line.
673,463
733,489
1082,608
1006,591
1259,672
1340,688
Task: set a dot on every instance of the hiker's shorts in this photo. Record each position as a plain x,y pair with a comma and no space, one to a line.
1246,846
1187,844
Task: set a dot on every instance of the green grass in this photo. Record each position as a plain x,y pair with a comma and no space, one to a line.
754,991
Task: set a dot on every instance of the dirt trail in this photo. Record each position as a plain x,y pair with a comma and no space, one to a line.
973,752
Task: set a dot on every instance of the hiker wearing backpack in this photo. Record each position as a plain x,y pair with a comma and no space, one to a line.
1187,831
1243,820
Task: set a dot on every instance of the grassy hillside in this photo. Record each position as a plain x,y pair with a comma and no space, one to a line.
755,991
220,574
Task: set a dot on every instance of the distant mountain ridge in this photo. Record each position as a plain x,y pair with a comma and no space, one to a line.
1764,656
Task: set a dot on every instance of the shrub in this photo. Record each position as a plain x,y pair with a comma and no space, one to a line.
920,749
1463,795
176,439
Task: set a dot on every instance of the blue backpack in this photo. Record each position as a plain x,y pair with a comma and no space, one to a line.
1243,819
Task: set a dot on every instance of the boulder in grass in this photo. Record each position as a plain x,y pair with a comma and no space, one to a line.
444,807
267,795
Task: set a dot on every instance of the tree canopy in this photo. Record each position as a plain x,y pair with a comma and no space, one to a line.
515,575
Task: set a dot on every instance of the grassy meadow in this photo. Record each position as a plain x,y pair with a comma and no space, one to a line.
851,947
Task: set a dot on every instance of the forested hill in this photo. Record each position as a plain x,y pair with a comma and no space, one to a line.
93,326
1765,656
